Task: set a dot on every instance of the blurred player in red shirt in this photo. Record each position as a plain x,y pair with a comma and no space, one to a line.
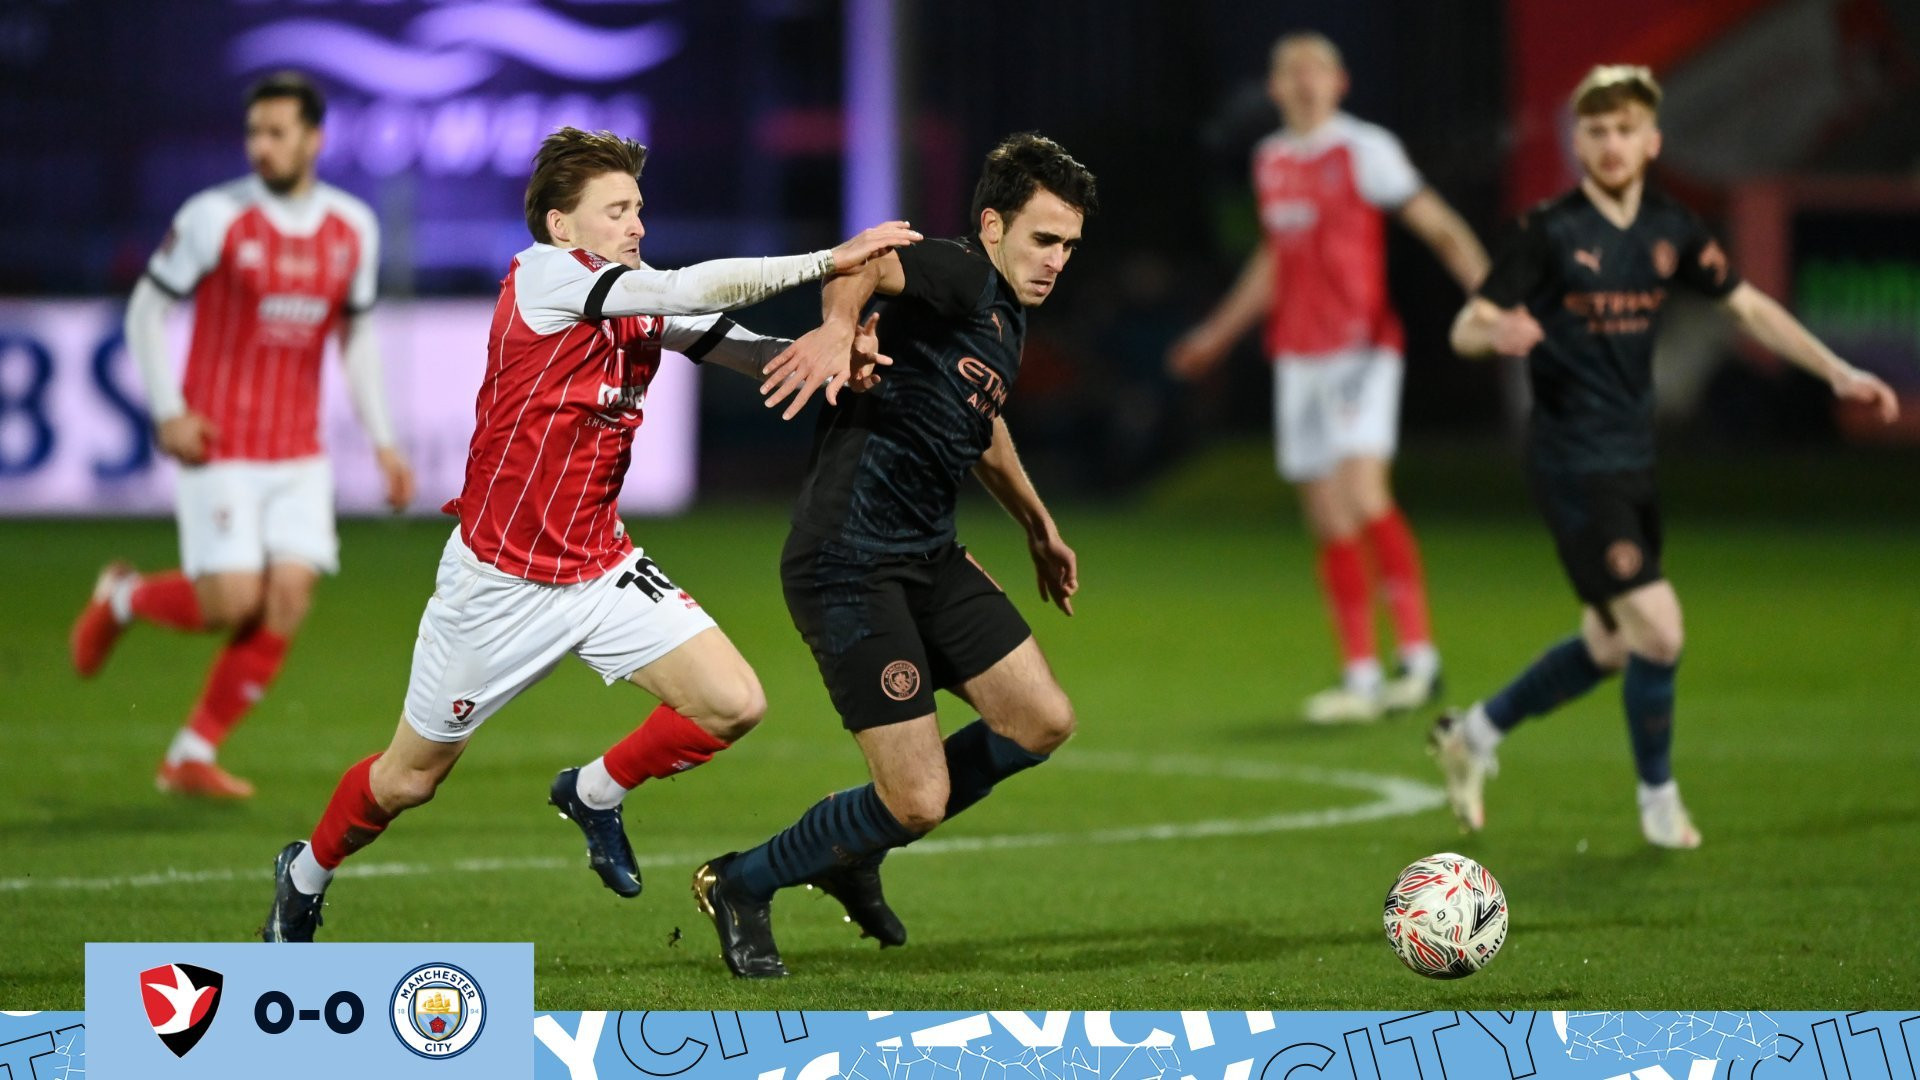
275,262
1326,182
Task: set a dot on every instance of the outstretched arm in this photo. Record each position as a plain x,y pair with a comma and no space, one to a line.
360,352
1775,327
1201,348
1000,472
1428,216
727,284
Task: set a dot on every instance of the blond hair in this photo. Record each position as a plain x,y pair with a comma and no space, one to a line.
1612,86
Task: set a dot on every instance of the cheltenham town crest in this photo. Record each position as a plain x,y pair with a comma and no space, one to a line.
438,1010
181,1000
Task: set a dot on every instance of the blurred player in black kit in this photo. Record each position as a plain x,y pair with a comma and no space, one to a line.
1578,293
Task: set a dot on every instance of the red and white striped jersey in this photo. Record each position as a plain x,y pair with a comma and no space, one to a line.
270,277
1321,201
565,389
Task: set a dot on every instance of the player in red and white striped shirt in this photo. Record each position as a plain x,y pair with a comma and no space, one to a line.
275,262
541,565
1326,182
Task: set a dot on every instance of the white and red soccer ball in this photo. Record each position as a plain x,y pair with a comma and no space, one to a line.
1446,916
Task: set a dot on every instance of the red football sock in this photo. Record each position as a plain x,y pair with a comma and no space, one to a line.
667,743
1343,573
168,599
241,674
1401,579
352,821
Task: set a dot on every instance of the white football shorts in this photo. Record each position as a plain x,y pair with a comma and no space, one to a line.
242,515
1334,406
486,636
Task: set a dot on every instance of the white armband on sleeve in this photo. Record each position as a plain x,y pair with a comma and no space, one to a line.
146,328
720,285
360,352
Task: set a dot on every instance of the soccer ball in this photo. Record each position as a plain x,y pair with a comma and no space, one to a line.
1446,917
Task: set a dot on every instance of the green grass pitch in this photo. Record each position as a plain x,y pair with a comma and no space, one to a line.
1194,846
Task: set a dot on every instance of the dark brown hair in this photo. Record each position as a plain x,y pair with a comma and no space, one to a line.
290,84
567,160
1028,161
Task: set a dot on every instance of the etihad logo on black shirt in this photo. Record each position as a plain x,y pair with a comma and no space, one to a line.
1628,311
990,393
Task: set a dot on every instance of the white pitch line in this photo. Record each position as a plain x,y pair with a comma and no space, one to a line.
1393,796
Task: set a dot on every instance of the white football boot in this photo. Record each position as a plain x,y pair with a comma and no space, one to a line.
1466,770
1342,705
1663,817
1410,690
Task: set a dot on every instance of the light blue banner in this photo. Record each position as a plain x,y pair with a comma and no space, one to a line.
1079,1046
324,1011
1229,1046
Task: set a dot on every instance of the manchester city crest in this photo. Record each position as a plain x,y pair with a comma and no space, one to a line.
438,1010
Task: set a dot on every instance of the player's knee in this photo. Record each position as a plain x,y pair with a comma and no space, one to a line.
1052,724
1607,651
286,606
921,809
415,789
1661,645
398,789
1333,527
736,707
231,602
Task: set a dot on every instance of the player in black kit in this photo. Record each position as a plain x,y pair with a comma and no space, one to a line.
1578,293
892,607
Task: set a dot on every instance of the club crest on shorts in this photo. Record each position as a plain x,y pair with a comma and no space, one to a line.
438,1010
181,1000
1623,559
901,680
462,711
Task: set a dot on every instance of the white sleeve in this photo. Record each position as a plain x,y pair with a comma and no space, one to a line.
191,248
366,378
146,328
365,287
719,285
701,338
564,289
1385,176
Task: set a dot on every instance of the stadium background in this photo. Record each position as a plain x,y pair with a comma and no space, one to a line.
777,124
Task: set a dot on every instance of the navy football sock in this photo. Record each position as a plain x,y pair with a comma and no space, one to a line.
1563,672
845,826
1648,693
978,758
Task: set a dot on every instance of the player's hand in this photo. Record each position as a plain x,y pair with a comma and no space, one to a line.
1196,353
867,357
186,438
873,242
1058,568
399,477
1852,384
822,357
1516,332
